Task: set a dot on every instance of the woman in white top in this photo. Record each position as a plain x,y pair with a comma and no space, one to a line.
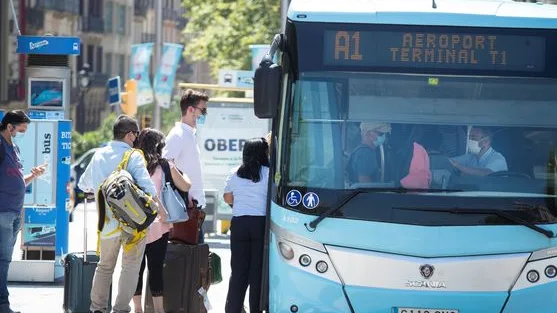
246,192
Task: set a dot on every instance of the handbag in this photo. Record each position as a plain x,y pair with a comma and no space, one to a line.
188,232
172,198
215,274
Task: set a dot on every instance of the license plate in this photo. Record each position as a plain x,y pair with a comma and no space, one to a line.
421,310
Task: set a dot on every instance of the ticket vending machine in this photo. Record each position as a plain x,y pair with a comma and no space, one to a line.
45,222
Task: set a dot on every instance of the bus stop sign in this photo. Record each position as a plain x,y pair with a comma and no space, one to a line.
48,45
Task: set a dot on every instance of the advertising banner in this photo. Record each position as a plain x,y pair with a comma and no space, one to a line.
221,140
39,226
166,73
139,70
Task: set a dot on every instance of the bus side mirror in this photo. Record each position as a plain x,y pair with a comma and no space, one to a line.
267,86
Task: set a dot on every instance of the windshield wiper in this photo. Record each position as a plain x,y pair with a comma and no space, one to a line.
313,224
499,213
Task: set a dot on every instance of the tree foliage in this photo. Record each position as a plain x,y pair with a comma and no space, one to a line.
81,143
221,31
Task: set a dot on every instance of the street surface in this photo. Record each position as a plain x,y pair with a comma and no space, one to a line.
44,297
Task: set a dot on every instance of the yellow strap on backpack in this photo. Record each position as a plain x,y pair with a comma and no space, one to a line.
140,235
124,163
135,239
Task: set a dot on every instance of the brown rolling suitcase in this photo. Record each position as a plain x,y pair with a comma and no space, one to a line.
188,232
186,269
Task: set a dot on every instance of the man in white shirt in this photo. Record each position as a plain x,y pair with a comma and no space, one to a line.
103,163
181,142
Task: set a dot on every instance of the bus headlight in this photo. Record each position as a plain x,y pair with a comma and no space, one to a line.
533,276
321,267
286,250
305,260
550,271
305,255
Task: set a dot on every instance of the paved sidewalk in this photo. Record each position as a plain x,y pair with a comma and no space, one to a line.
44,297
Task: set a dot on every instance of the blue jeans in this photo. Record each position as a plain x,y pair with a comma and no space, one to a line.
10,223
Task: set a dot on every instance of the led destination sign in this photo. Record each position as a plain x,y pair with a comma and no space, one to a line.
434,50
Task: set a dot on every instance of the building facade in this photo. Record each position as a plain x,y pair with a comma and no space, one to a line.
107,29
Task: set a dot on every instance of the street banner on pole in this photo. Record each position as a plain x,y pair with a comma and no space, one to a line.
139,70
166,73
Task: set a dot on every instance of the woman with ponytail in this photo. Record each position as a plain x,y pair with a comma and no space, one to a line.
151,142
246,192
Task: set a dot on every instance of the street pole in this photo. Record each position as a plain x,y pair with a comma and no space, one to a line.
283,14
157,60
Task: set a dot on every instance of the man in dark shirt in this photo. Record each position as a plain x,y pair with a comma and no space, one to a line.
12,192
362,165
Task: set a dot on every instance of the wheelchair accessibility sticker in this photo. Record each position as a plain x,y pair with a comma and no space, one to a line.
293,198
311,200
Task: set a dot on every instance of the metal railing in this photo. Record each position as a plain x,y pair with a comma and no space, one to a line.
140,7
170,14
63,6
92,24
148,37
98,79
35,18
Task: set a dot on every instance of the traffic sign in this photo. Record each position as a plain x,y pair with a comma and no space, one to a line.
48,45
114,91
235,78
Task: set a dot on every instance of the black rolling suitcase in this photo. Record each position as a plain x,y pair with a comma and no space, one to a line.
186,269
79,269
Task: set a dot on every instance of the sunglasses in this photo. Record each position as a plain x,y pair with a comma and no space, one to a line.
203,110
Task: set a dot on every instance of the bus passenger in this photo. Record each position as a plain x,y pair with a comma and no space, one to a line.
362,165
481,159
411,161
419,173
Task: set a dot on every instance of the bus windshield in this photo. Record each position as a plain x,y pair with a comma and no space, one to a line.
331,111
435,119
454,112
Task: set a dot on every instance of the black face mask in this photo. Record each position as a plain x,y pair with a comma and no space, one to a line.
136,140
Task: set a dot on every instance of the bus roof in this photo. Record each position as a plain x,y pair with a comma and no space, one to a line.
474,13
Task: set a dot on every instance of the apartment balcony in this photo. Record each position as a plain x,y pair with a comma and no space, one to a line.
98,79
140,7
182,22
170,14
35,18
92,24
148,37
62,6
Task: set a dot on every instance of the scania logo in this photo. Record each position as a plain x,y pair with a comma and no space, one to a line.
426,284
427,271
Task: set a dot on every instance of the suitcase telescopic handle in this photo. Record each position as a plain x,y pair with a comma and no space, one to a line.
88,196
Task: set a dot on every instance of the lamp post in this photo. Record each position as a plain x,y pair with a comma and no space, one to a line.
84,83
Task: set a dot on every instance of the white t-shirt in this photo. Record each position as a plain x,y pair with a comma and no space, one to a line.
181,147
249,198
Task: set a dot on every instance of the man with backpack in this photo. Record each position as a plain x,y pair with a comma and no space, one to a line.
114,234
12,193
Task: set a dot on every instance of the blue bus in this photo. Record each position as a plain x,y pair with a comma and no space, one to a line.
463,93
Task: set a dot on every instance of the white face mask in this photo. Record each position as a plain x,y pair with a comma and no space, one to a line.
18,137
474,146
